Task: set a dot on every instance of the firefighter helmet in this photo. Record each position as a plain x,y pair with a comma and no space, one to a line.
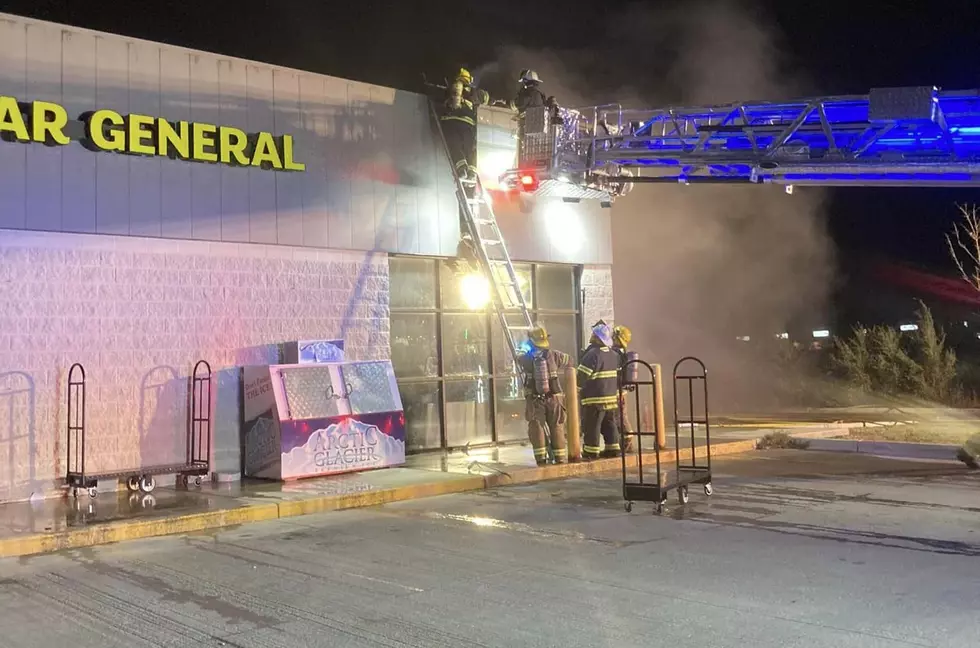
602,333
539,337
621,336
464,76
529,76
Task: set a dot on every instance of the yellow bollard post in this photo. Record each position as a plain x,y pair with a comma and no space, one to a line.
573,424
658,395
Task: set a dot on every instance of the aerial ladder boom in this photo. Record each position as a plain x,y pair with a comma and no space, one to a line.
916,136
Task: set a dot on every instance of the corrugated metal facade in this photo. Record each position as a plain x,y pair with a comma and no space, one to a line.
374,179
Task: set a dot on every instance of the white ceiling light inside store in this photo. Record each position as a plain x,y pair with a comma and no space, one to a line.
475,290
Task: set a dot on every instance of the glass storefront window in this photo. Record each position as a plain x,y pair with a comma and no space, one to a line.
524,273
468,414
422,403
464,345
510,409
468,293
556,287
503,362
412,283
456,374
414,353
563,332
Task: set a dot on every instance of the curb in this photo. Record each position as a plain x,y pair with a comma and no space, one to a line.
136,529
897,449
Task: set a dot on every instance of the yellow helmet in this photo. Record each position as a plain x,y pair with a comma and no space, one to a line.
464,76
539,337
622,336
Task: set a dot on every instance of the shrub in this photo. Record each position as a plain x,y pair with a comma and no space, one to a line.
883,361
781,440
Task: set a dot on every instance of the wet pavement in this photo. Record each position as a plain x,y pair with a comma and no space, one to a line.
793,549
58,514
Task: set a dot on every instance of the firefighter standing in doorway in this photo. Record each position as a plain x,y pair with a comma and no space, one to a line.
458,121
599,390
621,337
544,400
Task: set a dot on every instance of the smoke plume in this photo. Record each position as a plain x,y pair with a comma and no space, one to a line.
697,266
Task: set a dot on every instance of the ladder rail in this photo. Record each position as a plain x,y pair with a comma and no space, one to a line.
487,263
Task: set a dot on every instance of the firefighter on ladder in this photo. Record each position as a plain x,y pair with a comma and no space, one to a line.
621,337
544,408
458,121
599,389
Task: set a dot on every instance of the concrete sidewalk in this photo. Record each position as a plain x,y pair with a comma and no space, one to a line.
28,528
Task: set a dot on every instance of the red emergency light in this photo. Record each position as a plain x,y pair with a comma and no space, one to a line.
529,182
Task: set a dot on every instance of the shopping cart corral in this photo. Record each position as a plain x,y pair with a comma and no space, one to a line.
197,463
639,377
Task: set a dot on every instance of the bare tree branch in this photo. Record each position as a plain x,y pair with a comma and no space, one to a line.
964,245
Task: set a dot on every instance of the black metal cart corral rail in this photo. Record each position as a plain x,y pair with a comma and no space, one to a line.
641,489
198,461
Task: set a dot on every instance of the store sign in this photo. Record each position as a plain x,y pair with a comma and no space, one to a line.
106,130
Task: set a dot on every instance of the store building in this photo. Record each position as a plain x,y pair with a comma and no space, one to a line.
139,248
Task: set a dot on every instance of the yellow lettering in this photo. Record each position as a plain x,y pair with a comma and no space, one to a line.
173,139
287,155
139,137
202,135
105,132
11,119
266,152
48,123
232,143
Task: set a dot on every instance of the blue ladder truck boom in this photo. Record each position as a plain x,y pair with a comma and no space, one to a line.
914,136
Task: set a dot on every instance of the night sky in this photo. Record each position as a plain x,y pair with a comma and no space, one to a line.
841,46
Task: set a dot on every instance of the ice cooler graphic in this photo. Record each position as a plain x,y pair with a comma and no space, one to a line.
307,420
312,351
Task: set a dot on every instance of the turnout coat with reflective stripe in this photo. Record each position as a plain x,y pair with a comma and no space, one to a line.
598,373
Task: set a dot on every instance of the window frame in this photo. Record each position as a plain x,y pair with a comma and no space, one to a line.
494,347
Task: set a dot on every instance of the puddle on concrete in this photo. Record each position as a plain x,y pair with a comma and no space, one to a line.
53,515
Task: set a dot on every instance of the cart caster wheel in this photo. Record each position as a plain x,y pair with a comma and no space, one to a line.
682,495
147,483
661,508
198,481
93,493
708,490
629,507
133,483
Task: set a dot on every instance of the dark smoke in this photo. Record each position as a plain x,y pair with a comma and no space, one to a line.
697,266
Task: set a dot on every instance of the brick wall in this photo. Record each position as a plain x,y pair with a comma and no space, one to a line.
138,313
597,288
